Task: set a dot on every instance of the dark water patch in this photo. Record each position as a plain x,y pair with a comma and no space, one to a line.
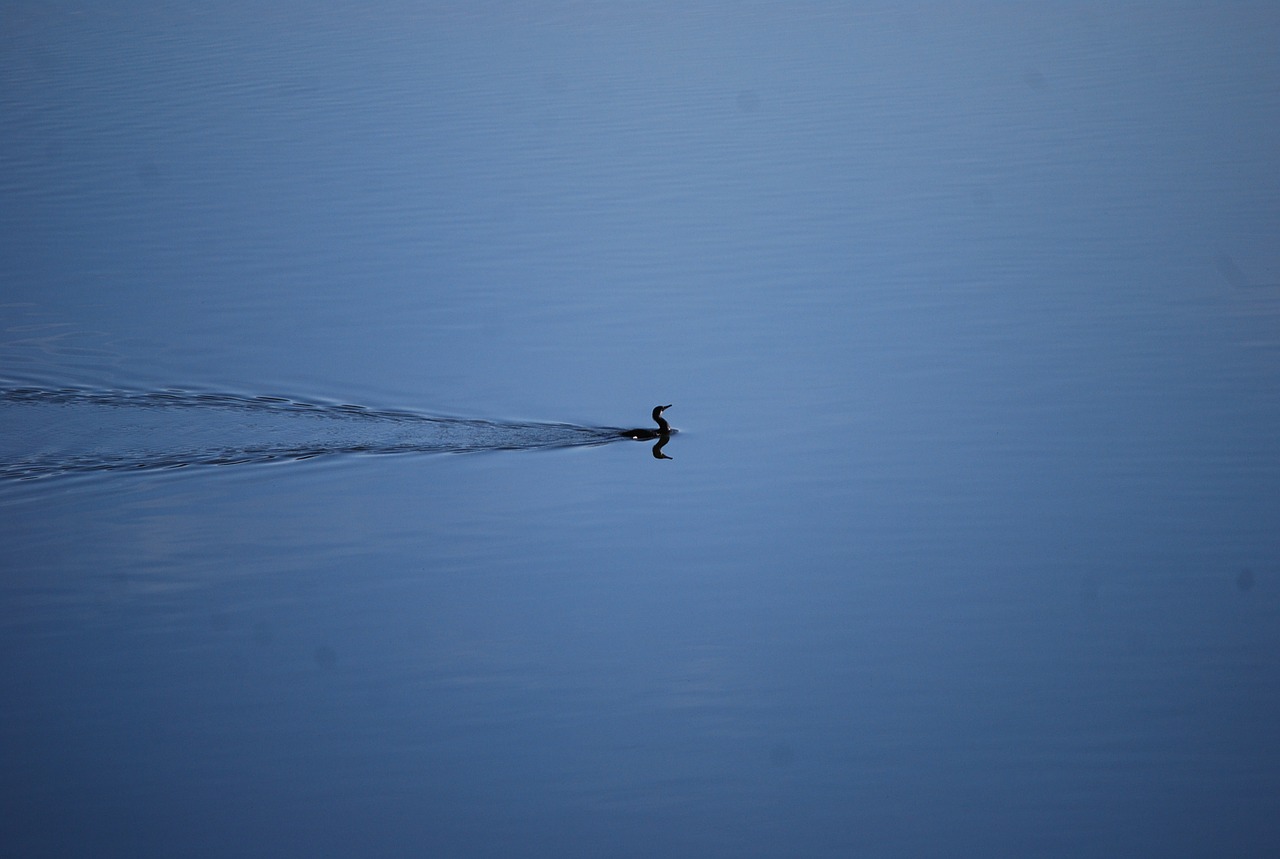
49,432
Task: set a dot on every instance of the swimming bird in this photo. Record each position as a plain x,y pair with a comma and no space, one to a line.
664,429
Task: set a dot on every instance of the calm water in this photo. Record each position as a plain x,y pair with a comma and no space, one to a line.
968,544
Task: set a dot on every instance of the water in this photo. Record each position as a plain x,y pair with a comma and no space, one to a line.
966,545
51,433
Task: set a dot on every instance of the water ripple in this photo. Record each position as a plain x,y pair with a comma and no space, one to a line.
48,432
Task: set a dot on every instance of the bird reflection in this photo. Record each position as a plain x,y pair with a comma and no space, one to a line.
657,448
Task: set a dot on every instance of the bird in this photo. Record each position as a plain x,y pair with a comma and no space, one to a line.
641,434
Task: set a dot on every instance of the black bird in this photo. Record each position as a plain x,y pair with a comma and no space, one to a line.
664,429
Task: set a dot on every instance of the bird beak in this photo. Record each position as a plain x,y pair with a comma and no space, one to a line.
664,408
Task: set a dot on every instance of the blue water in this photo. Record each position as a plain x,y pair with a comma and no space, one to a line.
967,545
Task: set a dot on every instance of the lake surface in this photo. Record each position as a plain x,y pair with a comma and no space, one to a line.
316,326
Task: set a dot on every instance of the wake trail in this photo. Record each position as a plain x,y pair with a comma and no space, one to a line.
49,432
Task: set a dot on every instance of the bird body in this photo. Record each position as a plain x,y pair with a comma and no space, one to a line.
641,434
